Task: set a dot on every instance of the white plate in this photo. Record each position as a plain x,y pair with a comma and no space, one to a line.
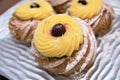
17,62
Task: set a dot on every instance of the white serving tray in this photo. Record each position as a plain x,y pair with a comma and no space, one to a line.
17,61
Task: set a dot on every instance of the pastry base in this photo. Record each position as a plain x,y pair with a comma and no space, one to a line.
22,30
78,62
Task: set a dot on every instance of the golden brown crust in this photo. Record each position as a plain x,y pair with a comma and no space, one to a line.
62,7
105,20
87,50
78,66
65,60
22,30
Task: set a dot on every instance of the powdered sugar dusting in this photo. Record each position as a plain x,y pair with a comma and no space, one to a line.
84,48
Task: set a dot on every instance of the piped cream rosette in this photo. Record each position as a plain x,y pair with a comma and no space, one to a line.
38,9
58,46
85,9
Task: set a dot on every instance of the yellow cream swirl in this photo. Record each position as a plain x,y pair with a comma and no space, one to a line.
91,9
24,11
50,46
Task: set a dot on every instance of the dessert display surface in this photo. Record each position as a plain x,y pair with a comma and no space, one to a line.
17,62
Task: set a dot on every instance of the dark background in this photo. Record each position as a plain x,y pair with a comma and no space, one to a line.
6,4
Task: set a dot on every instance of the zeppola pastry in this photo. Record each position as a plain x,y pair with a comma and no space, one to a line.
26,18
96,12
64,45
60,6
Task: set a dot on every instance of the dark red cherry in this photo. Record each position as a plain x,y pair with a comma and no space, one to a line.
58,30
82,2
34,5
